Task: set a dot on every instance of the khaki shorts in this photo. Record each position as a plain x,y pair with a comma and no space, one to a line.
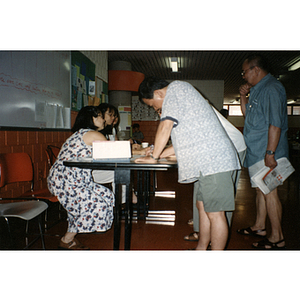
215,191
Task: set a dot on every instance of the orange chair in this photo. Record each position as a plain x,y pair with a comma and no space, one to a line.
17,207
18,167
52,153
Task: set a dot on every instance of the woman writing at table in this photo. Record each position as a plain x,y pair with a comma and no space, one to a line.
89,205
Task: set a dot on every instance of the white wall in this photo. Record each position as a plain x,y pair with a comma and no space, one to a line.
213,90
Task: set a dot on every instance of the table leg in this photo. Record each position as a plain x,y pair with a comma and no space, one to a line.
122,177
117,212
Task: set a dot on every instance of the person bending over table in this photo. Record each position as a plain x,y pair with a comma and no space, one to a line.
89,205
207,160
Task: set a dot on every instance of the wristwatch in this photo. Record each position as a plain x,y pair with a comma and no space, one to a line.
153,157
269,152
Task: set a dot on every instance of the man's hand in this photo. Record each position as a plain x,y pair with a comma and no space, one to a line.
270,161
145,159
245,89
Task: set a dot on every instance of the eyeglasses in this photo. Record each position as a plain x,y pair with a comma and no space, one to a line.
244,72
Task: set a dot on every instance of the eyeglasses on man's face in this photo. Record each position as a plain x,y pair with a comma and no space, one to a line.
245,71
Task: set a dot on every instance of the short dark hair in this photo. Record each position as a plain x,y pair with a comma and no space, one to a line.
224,112
260,61
149,85
85,119
135,125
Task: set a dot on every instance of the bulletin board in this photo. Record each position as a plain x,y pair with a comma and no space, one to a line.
35,89
82,80
87,89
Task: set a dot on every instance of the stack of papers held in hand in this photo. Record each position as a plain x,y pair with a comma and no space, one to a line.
268,179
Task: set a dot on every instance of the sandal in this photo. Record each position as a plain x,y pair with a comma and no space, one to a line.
249,231
272,246
192,237
73,245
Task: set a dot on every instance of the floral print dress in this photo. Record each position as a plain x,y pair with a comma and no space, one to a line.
89,205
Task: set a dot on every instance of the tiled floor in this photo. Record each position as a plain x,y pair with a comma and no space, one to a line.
169,233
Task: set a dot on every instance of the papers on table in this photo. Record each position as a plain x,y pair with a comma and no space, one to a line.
103,150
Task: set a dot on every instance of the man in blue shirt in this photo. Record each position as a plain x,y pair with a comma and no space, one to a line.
265,133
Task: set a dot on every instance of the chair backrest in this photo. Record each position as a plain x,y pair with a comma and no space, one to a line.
15,167
52,153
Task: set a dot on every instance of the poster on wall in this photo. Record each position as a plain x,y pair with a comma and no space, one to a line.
125,117
142,112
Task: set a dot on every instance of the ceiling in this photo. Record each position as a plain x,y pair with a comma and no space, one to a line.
211,65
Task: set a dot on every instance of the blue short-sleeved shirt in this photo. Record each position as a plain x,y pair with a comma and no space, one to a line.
200,142
267,106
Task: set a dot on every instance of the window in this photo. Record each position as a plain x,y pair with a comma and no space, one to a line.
296,110
293,110
234,110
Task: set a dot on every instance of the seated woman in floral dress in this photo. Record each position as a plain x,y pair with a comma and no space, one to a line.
89,205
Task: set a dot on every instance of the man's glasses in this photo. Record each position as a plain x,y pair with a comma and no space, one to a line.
244,72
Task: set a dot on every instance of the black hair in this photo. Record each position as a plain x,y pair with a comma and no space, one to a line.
85,119
149,85
117,115
104,107
224,112
260,61
135,125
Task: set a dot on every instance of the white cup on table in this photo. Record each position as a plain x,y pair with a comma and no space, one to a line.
145,144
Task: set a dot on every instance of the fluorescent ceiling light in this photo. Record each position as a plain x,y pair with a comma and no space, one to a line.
174,64
294,66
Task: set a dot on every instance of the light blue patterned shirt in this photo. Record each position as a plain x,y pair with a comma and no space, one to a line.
200,142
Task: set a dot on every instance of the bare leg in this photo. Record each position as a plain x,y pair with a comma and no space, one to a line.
274,210
261,212
213,227
204,227
134,198
218,229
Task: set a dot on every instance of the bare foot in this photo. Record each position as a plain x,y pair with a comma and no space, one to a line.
134,198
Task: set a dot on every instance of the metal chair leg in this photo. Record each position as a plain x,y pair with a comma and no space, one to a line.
41,232
27,233
9,232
